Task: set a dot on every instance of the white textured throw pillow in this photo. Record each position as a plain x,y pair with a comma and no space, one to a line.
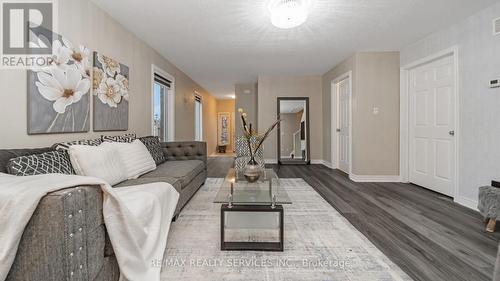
135,157
98,161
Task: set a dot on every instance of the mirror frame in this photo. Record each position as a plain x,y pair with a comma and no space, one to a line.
307,161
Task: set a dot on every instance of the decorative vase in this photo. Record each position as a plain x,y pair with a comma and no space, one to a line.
252,171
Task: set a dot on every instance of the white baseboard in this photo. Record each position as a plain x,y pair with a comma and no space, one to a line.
271,161
466,202
374,178
313,161
321,162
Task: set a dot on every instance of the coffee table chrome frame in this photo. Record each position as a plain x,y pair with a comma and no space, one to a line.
252,246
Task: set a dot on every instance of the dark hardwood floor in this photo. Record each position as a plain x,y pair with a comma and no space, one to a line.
424,233
218,166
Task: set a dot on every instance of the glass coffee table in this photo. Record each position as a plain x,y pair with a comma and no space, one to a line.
252,214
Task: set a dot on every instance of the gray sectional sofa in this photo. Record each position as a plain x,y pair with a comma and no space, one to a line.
66,238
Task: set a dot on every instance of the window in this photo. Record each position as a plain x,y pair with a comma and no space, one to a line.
163,106
198,118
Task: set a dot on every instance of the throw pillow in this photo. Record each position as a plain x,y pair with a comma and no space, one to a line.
101,161
123,138
7,154
134,156
65,145
53,162
154,147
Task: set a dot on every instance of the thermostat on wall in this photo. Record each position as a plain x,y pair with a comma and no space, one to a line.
495,83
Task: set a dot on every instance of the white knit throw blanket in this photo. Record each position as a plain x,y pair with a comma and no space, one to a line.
137,219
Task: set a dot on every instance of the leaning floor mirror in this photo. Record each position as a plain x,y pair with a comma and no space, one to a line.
293,131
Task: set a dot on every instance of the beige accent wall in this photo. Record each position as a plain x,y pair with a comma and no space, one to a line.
209,122
341,69
227,106
272,87
84,23
248,102
375,137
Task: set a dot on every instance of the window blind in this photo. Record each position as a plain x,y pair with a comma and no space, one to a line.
162,80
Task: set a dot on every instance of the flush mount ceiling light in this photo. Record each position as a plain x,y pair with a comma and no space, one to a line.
288,13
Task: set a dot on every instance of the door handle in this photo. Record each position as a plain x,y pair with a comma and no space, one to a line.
338,130
451,133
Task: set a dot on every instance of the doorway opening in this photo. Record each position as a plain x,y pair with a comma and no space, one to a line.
429,122
341,127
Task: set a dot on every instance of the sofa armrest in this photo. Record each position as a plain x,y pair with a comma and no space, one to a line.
186,150
64,239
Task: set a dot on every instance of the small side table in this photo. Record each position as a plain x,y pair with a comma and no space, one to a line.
221,148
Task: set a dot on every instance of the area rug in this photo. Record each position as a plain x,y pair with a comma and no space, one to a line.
320,244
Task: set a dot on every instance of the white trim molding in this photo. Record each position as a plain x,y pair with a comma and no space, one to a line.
466,202
374,178
353,177
270,161
322,162
404,157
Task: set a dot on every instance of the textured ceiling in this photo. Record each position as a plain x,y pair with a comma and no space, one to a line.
222,42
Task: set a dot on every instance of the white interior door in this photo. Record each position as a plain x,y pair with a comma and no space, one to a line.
343,102
432,126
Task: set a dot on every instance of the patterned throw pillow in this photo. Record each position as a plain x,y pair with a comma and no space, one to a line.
53,162
154,147
123,138
64,146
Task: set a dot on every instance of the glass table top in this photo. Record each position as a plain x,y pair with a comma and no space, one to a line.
242,192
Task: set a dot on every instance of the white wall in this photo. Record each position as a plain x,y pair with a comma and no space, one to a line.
479,61
82,22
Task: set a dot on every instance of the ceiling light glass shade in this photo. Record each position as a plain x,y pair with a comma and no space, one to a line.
288,13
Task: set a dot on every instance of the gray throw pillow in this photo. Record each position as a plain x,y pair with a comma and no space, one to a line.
154,147
53,162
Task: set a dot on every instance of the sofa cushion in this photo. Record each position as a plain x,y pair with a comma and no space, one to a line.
185,170
52,162
154,147
176,183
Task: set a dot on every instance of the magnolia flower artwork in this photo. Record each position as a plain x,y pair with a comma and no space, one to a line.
59,94
110,83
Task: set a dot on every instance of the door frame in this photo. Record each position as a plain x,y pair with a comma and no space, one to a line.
307,161
334,148
404,156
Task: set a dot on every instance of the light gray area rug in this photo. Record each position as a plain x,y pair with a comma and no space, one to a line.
320,244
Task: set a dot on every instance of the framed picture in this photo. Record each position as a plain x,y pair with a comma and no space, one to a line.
59,94
223,128
111,94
